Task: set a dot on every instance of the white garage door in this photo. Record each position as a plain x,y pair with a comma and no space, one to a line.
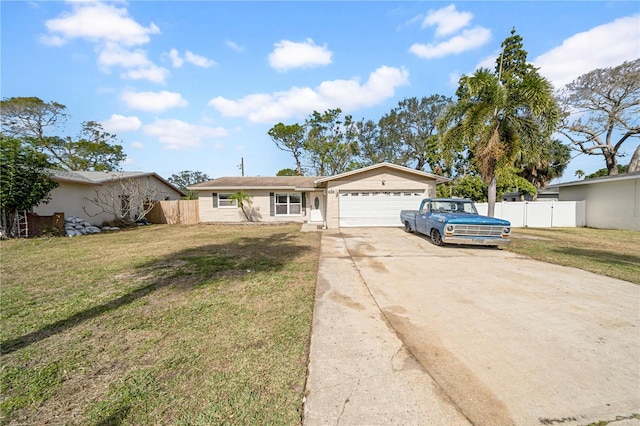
361,208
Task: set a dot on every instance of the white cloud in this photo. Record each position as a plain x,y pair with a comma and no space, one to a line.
152,73
176,60
137,145
603,46
489,61
119,123
234,46
447,20
153,101
112,54
299,101
101,23
178,135
192,58
289,54
454,79
114,32
197,60
53,40
469,39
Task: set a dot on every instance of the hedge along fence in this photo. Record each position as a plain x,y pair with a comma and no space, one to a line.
173,212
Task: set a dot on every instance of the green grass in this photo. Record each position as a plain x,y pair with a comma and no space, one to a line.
157,325
189,325
613,253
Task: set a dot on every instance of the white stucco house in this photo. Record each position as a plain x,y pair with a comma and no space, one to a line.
101,197
371,196
612,202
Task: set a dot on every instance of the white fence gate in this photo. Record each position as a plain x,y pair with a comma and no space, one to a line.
539,214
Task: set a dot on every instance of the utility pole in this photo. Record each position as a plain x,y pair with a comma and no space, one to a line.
241,165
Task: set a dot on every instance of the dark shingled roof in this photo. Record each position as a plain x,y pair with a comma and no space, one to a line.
258,182
99,178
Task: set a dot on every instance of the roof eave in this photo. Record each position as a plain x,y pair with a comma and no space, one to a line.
253,187
437,178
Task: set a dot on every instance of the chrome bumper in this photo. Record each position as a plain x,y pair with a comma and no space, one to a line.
477,241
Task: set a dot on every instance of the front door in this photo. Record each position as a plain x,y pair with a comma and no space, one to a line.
316,207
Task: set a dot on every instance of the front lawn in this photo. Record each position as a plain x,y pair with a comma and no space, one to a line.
158,325
609,252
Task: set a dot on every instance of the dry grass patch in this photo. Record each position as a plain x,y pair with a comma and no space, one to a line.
158,325
609,252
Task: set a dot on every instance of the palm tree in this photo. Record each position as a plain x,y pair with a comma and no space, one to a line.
496,121
242,198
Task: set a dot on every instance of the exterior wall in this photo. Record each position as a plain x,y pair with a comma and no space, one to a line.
258,210
74,199
609,204
373,180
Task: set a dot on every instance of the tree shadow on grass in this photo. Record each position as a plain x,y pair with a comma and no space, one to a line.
204,263
627,260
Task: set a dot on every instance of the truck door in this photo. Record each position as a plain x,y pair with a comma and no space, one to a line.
422,218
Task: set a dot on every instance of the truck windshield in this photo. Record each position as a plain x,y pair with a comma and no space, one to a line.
453,207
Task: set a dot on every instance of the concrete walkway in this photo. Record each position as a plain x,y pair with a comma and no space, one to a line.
360,373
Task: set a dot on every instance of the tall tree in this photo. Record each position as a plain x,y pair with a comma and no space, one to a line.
35,122
30,118
372,148
289,138
94,149
601,111
550,164
287,172
494,117
331,144
411,126
24,180
187,178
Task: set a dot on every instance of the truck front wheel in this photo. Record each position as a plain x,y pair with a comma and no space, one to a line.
407,227
436,238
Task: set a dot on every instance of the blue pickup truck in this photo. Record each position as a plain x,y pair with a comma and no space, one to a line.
455,221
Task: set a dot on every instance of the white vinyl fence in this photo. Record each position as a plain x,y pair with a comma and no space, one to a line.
539,214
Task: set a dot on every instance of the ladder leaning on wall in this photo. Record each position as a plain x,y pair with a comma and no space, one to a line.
22,224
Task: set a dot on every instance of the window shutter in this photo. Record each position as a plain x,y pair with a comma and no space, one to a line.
272,204
215,200
304,201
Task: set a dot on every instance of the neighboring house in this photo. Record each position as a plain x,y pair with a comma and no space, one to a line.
103,197
549,193
612,202
371,196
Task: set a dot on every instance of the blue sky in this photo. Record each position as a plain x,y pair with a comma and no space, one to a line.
196,85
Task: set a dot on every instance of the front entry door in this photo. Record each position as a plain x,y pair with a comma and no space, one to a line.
316,207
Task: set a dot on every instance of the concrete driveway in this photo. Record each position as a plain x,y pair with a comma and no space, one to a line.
499,339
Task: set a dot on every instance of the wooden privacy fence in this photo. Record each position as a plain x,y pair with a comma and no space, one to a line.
173,212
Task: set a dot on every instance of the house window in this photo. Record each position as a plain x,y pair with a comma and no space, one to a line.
225,202
125,205
288,204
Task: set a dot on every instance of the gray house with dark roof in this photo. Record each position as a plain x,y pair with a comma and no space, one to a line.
114,192
371,196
